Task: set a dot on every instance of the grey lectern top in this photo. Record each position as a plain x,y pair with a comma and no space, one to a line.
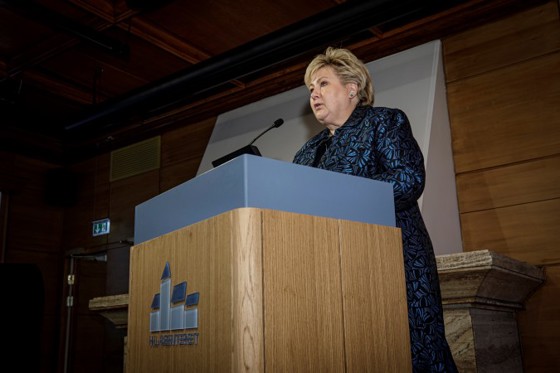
251,181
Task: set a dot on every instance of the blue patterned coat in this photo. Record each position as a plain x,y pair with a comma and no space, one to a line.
377,143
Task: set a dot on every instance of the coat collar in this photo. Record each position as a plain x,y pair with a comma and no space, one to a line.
352,122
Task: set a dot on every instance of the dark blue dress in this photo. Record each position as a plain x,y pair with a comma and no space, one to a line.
377,143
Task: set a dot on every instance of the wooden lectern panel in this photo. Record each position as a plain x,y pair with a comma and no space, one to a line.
302,292
375,312
278,292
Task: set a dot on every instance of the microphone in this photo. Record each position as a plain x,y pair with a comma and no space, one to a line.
277,123
248,149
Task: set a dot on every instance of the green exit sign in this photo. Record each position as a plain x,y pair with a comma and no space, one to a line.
101,227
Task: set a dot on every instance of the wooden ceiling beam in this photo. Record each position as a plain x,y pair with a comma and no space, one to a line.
113,12
41,52
168,42
59,43
164,40
58,87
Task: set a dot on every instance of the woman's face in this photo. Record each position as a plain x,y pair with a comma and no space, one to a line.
332,101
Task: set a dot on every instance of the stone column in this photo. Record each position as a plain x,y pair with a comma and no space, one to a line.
481,293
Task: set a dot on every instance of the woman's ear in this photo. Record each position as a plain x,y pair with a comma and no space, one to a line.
352,89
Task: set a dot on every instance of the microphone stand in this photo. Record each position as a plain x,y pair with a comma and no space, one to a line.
248,149
277,123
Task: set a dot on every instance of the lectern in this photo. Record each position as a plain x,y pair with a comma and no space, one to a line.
266,266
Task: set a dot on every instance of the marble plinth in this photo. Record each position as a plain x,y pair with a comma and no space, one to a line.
113,307
481,293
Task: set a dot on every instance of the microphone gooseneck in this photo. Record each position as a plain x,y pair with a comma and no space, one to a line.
277,123
247,149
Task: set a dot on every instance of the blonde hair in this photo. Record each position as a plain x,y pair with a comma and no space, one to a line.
348,68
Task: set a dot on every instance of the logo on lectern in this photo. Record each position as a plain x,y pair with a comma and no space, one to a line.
173,310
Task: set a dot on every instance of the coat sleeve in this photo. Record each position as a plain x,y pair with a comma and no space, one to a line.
400,159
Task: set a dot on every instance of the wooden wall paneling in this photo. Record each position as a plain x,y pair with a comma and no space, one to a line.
125,194
181,152
35,229
92,204
539,325
34,236
83,330
11,177
89,283
87,328
10,181
99,198
50,340
507,115
531,181
101,185
33,224
118,258
526,35
528,232
503,93
4,208
87,349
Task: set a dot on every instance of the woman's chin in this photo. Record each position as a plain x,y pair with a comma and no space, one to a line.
320,118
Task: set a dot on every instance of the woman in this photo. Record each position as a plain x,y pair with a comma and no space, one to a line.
377,143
